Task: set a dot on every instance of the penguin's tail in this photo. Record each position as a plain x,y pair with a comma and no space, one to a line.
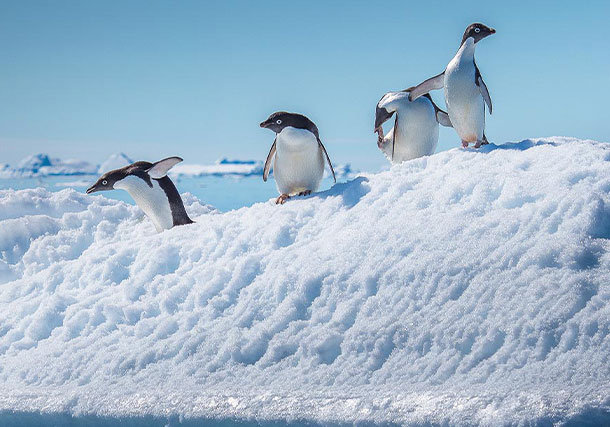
186,221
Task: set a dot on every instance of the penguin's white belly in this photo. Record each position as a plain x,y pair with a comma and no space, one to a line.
417,134
299,162
465,104
153,201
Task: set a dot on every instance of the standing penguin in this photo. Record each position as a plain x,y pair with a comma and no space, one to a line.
465,89
415,131
152,190
297,154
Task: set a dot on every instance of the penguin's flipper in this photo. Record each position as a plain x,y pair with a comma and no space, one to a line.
482,87
268,161
160,168
433,83
443,118
327,159
395,129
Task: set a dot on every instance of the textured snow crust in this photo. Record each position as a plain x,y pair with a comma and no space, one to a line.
468,287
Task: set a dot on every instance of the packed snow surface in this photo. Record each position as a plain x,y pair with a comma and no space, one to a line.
471,286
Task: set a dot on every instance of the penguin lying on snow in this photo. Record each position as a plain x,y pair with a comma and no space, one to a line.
297,154
152,190
465,89
415,131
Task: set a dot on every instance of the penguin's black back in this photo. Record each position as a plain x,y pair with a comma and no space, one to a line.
179,215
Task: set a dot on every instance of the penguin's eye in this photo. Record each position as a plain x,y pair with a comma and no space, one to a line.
104,182
278,121
477,30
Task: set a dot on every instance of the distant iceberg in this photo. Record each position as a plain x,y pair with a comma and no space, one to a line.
227,167
115,161
41,165
35,162
221,167
5,169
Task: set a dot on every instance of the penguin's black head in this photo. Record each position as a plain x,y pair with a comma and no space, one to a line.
107,181
278,121
381,116
477,32
141,169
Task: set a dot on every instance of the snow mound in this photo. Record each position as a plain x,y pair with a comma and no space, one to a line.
471,286
115,161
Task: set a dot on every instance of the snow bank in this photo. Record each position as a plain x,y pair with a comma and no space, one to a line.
465,287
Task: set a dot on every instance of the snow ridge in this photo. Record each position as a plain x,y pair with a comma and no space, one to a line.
471,286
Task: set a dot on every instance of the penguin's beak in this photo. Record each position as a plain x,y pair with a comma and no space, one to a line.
492,31
264,124
381,116
93,189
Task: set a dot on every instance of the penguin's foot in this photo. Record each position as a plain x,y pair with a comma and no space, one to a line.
478,144
305,193
465,144
282,199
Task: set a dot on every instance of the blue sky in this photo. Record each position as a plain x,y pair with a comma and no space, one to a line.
85,79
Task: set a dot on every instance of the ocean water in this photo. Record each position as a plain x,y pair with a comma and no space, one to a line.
223,192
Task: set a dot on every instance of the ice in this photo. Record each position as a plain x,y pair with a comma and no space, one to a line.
115,161
35,162
220,168
43,165
468,287
226,167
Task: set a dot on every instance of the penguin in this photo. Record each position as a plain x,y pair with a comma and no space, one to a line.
415,131
465,91
151,189
297,154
